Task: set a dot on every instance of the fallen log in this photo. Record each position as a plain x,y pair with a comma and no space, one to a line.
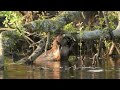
54,24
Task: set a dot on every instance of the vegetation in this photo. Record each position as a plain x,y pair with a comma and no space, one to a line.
32,26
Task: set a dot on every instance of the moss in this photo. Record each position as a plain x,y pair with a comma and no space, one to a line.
55,23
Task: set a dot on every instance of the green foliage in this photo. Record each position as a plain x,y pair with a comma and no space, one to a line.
13,18
10,39
70,28
111,18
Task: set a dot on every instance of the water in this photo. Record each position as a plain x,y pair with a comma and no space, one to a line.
109,70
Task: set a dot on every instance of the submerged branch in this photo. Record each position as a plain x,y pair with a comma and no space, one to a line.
36,53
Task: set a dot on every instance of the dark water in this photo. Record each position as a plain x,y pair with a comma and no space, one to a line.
109,70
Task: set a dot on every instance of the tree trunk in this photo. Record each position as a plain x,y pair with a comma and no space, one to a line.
1,53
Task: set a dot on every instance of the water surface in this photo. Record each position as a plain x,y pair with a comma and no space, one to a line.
109,70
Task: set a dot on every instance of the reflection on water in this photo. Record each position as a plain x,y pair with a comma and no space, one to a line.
109,70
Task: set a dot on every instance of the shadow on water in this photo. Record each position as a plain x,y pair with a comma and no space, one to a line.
109,70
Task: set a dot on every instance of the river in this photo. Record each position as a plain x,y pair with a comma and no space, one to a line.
18,71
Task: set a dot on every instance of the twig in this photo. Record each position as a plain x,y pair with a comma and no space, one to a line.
47,42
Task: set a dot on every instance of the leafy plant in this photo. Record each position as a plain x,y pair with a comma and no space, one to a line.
70,28
13,18
10,39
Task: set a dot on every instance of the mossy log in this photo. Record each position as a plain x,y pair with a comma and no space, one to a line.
53,24
56,23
